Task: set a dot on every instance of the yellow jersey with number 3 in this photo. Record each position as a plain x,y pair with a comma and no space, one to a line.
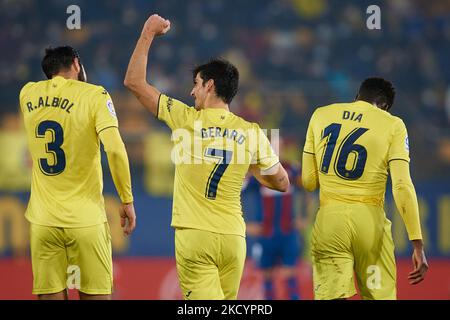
62,120
353,144
212,153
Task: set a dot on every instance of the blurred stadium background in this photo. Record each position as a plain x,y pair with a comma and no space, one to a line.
293,55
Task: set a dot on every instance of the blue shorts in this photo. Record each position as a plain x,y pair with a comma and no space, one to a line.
280,249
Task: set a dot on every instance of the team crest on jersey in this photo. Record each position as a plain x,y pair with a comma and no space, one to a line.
407,143
110,106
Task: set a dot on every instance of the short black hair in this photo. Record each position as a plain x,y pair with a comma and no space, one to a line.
58,59
224,74
378,91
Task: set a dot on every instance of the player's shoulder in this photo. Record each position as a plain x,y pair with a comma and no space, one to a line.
87,88
397,123
235,121
251,126
171,102
387,119
333,107
27,87
394,119
245,124
386,115
322,111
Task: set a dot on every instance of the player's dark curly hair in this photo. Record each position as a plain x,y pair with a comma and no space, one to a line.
224,74
378,91
58,59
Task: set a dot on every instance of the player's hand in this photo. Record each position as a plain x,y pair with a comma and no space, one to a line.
156,26
127,218
420,266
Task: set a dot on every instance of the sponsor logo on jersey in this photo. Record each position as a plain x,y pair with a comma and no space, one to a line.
110,106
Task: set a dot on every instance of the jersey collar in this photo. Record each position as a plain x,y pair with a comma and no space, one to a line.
58,80
217,110
362,103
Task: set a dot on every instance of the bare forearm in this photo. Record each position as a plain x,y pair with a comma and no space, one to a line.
136,77
283,182
278,180
417,244
256,172
137,68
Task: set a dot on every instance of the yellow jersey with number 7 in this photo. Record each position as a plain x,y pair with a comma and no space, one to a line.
212,153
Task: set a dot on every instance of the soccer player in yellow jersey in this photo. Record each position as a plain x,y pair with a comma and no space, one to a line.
216,150
349,151
65,120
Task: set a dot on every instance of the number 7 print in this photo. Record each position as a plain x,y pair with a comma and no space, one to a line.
225,157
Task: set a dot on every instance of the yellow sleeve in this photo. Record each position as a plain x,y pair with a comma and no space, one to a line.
310,176
405,197
309,141
104,114
23,93
264,156
173,112
399,148
118,162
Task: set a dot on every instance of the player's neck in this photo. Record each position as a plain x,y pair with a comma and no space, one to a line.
215,103
66,75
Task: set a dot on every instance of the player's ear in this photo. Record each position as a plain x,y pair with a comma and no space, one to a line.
383,106
79,68
210,85
76,65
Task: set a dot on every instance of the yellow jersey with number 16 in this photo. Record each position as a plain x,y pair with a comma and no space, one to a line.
353,144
